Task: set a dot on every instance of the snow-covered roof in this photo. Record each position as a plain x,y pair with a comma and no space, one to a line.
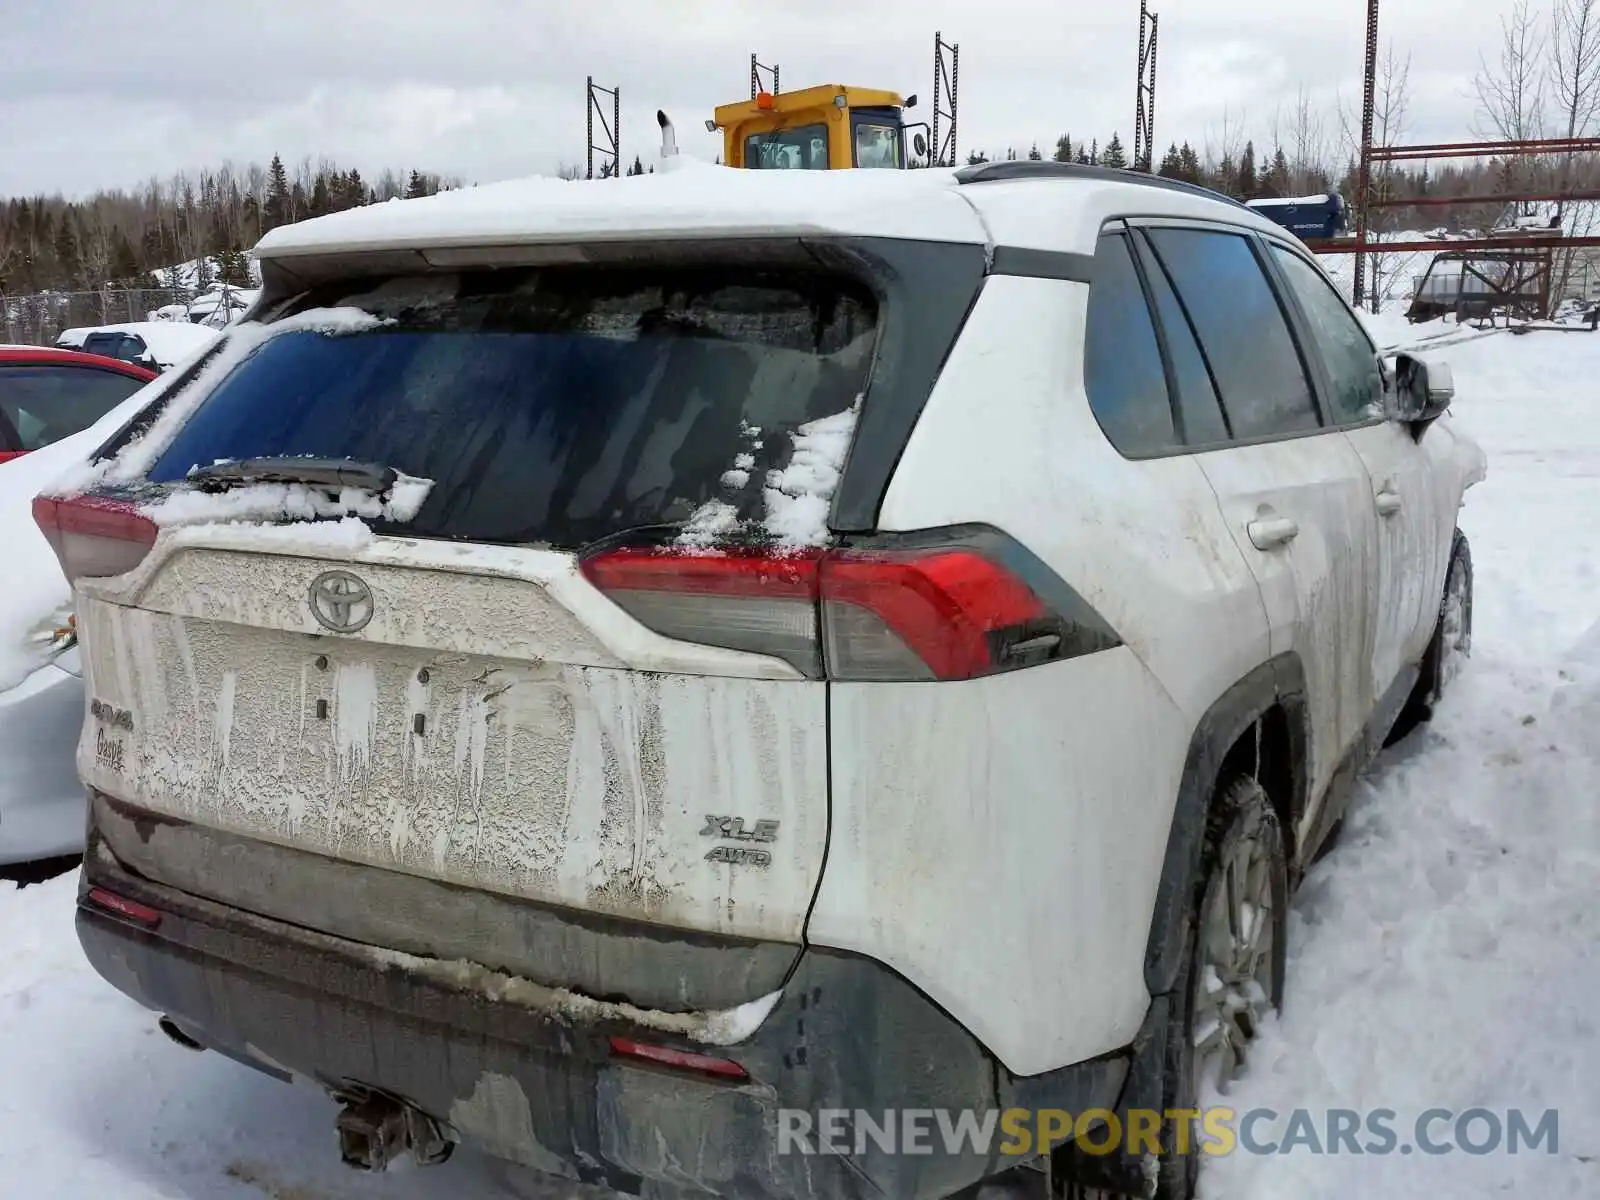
694,199
169,341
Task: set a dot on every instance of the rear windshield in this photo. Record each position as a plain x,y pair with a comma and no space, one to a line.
555,406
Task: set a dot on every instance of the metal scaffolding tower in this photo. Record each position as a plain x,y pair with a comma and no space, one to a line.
946,60
756,70
1144,121
612,129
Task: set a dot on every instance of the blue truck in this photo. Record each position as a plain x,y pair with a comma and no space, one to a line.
1307,217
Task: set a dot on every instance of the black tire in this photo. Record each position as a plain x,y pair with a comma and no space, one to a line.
1440,660
1242,813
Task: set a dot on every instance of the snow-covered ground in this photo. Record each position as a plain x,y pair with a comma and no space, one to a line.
1446,954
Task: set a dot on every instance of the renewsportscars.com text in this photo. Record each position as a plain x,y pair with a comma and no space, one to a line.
1023,1132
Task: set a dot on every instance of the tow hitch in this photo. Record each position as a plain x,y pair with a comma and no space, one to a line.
376,1128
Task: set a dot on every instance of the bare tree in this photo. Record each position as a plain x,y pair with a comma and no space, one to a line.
1511,90
1574,80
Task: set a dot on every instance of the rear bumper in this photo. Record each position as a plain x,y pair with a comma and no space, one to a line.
539,1089
42,805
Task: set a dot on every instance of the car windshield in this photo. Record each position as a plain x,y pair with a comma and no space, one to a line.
556,406
804,148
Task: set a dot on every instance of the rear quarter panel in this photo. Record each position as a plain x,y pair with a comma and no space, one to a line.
1000,841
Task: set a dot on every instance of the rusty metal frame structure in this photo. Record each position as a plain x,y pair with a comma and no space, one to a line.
612,128
1522,282
946,64
1144,118
1362,245
756,70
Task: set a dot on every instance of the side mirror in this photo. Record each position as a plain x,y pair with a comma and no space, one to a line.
1423,391
920,145
911,100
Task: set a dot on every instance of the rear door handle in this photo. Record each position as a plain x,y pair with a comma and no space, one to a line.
1388,502
1271,531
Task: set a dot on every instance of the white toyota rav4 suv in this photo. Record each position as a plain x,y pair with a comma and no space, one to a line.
612,672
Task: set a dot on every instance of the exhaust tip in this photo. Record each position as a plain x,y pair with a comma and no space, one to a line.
170,1027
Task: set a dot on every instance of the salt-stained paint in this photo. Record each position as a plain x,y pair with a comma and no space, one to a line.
537,773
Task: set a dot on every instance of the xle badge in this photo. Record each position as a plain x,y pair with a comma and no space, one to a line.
733,829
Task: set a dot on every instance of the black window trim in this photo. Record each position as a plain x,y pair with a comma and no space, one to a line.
1253,237
1325,378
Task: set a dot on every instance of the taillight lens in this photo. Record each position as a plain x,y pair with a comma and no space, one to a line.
922,615
764,603
93,536
941,613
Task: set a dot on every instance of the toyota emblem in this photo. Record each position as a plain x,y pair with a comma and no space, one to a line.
341,602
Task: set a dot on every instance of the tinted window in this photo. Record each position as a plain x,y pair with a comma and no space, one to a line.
45,404
1122,369
804,148
559,406
1350,356
1203,423
1241,329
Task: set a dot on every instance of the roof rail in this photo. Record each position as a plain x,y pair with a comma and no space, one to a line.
998,172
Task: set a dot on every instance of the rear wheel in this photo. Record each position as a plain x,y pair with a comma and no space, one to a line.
1232,976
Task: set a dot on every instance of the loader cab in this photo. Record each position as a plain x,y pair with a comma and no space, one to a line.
826,128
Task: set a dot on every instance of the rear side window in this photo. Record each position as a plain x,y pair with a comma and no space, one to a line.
1242,330
1347,351
43,404
1122,368
559,406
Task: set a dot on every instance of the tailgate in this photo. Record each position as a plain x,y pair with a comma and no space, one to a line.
475,731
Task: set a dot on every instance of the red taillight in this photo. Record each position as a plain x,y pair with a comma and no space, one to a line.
8,455
683,1060
943,609
123,907
763,603
942,613
93,536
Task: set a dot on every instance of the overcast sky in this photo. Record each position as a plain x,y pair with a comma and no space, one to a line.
95,93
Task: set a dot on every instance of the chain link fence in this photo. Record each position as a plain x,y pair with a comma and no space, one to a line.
39,318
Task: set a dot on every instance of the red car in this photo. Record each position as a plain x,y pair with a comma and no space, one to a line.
48,394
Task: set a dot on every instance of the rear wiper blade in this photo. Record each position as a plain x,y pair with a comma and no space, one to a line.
314,472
